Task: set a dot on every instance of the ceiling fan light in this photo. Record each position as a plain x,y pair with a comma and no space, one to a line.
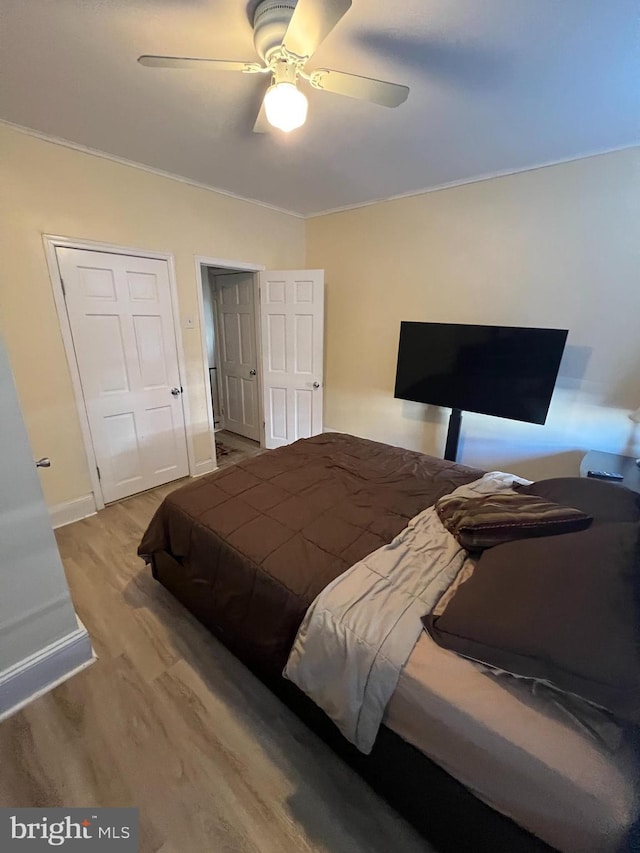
286,106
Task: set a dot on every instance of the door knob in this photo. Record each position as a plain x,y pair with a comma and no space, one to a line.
43,463
316,384
252,372
176,391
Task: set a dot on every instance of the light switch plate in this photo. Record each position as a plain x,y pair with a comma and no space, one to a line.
189,322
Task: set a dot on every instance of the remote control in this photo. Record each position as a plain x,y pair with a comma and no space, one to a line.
605,475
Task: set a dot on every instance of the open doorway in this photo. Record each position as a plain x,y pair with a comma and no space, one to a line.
262,344
230,338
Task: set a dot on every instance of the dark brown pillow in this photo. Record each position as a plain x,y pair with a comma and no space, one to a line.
605,502
490,520
564,610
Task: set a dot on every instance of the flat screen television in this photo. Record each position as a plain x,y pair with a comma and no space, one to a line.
506,371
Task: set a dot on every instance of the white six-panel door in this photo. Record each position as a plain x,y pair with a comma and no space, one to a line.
237,349
292,318
121,319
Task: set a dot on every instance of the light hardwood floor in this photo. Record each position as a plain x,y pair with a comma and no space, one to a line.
237,446
168,721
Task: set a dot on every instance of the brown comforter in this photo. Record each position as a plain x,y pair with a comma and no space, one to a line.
253,545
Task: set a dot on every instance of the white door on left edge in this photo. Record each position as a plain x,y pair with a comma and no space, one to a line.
121,319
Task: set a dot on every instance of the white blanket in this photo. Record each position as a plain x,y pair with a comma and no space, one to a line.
359,632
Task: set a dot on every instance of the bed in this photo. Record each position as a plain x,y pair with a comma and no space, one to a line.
249,550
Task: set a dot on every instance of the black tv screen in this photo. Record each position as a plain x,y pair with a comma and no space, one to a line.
506,371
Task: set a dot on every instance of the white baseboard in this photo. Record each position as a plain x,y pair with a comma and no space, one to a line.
205,467
70,511
36,675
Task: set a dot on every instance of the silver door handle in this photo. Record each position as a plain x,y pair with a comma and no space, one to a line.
316,384
43,463
252,372
176,392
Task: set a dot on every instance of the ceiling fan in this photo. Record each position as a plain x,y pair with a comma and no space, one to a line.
286,34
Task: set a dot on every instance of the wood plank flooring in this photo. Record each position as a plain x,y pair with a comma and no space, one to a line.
237,447
167,720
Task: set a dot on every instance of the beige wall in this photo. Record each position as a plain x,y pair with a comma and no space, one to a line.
556,247
46,188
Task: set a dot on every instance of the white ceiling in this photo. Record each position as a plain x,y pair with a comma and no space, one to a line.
496,86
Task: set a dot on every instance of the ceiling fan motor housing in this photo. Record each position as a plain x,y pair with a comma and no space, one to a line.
270,23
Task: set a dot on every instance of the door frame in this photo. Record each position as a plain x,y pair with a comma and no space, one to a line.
51,243
201,263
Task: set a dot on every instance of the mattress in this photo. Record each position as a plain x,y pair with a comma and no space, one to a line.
568,778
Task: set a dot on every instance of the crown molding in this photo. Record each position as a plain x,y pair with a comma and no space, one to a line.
489,176
95,152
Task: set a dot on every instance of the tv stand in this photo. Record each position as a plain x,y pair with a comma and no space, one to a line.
453,435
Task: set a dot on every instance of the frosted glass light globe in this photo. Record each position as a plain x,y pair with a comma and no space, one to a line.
285,106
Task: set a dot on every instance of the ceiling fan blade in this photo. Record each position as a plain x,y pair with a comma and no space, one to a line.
311,23
363,88
262,124
200,64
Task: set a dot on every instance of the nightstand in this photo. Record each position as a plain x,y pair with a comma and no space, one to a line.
596,460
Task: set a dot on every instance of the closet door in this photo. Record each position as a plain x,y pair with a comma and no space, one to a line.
121,319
